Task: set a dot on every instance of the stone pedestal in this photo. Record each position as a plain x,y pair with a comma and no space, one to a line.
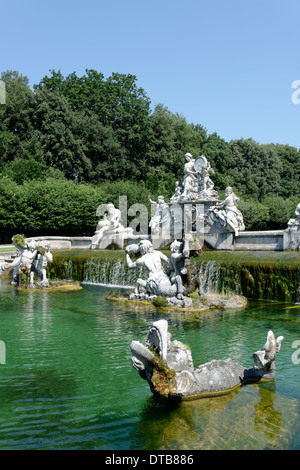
291,238
108,239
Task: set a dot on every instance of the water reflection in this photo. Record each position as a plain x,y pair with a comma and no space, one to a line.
253,417
68,380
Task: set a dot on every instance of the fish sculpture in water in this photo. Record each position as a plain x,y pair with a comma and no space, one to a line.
168,367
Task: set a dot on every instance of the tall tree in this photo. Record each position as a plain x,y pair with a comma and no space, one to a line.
255,168
16,128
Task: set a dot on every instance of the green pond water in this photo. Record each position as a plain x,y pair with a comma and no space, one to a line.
67,381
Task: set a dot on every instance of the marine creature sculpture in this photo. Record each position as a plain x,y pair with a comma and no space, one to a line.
168,367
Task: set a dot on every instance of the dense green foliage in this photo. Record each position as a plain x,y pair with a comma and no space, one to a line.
73,143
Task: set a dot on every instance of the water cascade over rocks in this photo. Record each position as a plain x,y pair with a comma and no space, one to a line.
114,274
260,279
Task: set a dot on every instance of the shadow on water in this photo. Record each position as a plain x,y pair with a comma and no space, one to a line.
35,384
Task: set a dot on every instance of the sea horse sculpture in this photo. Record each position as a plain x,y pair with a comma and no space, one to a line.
168,367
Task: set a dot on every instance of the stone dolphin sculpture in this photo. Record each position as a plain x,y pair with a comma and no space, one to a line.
168,367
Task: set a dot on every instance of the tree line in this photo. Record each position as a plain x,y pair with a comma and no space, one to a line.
95,138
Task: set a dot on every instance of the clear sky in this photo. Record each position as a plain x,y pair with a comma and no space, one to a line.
228,65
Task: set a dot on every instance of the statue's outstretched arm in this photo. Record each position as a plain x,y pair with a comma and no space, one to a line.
150,200
130,263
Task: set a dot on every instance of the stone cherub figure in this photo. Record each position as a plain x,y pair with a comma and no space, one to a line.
177,267
168,367
178,191
23,263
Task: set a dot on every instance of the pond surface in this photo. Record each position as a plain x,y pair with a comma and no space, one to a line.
67,381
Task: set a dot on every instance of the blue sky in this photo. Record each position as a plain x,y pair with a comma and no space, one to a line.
228,65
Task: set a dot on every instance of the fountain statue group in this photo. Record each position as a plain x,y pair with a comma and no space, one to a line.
194,207
166,276
194,200
31,260
197,183
160,282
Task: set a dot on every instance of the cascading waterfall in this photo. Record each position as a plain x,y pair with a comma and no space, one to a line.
262,282
69,270
208,277
212,277
113,274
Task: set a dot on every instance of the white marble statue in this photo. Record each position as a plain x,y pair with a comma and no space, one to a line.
292,233
227,213
197,184
160,222
190,180
44,256
178,191
177,266
110,229
32,259
152,260
24,262
110,221
158,282
295,221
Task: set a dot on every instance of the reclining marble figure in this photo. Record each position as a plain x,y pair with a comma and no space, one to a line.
227,214
160,282
168,367
110,229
